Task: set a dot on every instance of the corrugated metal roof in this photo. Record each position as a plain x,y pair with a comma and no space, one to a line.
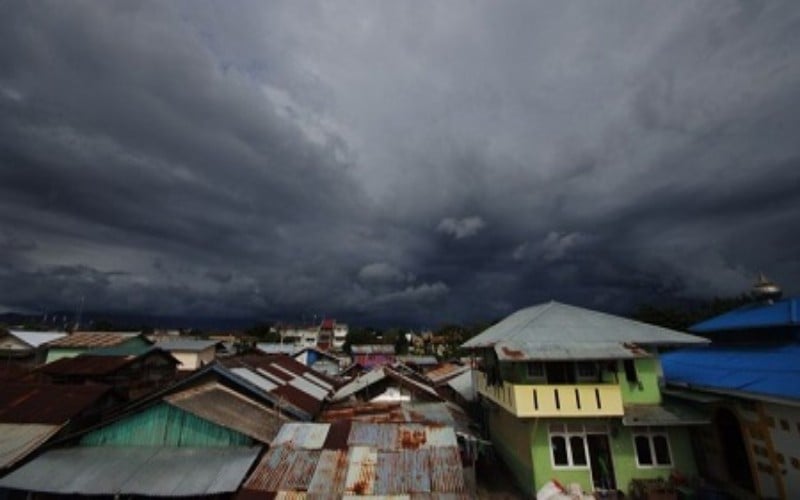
148,471
45,403
301,435
35,339
784,312
769,371
554,323
419,360
382,461
93,339
275,348
191,345
522,350
445,371
255,379
18,440
309,387
223,406
664,414
95,365
373,349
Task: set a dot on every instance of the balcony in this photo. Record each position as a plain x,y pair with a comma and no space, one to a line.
581,400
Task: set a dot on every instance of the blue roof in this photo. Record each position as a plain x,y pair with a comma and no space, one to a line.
768,371
784,312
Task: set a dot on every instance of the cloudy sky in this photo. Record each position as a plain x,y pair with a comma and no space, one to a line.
413,162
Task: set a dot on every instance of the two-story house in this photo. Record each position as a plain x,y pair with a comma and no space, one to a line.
574,395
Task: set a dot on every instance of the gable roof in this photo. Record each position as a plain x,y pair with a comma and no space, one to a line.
93,339
560,327
770,371
98,365
781,313
190,345
36,339
46,403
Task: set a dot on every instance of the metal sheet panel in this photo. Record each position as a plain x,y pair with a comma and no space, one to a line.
330,475
379,436
555,323
18,440
417,469
151,471
228,408
273,378
447,475
302,435
362,463
309,388
254,378
318,381
35,339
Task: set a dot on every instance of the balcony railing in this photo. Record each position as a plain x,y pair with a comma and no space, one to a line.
562,400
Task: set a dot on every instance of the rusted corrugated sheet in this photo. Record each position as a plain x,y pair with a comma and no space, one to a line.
298,398
302,436
268,473
45,403
362,464
228,408
18,440
382,437
86,365
330,475
417,469
448,475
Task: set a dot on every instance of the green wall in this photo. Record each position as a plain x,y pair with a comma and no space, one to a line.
524,446
54,354
511,438
647,390
164,425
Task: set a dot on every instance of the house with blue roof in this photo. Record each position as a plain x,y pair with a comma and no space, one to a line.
748,379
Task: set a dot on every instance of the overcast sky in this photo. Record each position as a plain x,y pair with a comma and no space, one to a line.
414,162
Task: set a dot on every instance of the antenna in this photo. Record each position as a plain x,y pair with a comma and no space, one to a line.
78,314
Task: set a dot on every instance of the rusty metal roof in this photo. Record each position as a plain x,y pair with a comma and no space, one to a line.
46,403
93,339
284,378
381,460
221,405
18,440
379,374
373,349
95,365
445,372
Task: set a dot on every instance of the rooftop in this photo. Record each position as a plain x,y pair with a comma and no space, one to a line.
562,331
781,313
93,339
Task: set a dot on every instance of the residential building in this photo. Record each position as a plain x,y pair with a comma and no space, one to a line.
574,395
191,353
371,355
80,342
27,348
748,381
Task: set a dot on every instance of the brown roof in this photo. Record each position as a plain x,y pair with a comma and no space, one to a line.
45,403
92,339
298,398
88,365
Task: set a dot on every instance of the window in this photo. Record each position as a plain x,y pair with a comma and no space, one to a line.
652,448
630,371
568,449
587,369
535,370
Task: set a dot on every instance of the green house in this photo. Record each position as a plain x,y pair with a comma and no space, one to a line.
575,395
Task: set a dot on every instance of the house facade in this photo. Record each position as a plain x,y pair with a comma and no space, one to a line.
574,395
749,383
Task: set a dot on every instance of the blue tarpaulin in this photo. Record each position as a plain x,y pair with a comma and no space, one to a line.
769,370
781,313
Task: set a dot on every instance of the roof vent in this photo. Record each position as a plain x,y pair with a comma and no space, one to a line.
766,290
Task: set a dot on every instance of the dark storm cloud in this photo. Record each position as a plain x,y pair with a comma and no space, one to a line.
397,162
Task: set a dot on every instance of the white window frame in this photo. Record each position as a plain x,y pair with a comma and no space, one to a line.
650,433
566,434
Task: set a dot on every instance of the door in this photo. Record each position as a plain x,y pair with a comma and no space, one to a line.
600,462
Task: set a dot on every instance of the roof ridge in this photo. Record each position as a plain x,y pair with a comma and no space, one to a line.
544,308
